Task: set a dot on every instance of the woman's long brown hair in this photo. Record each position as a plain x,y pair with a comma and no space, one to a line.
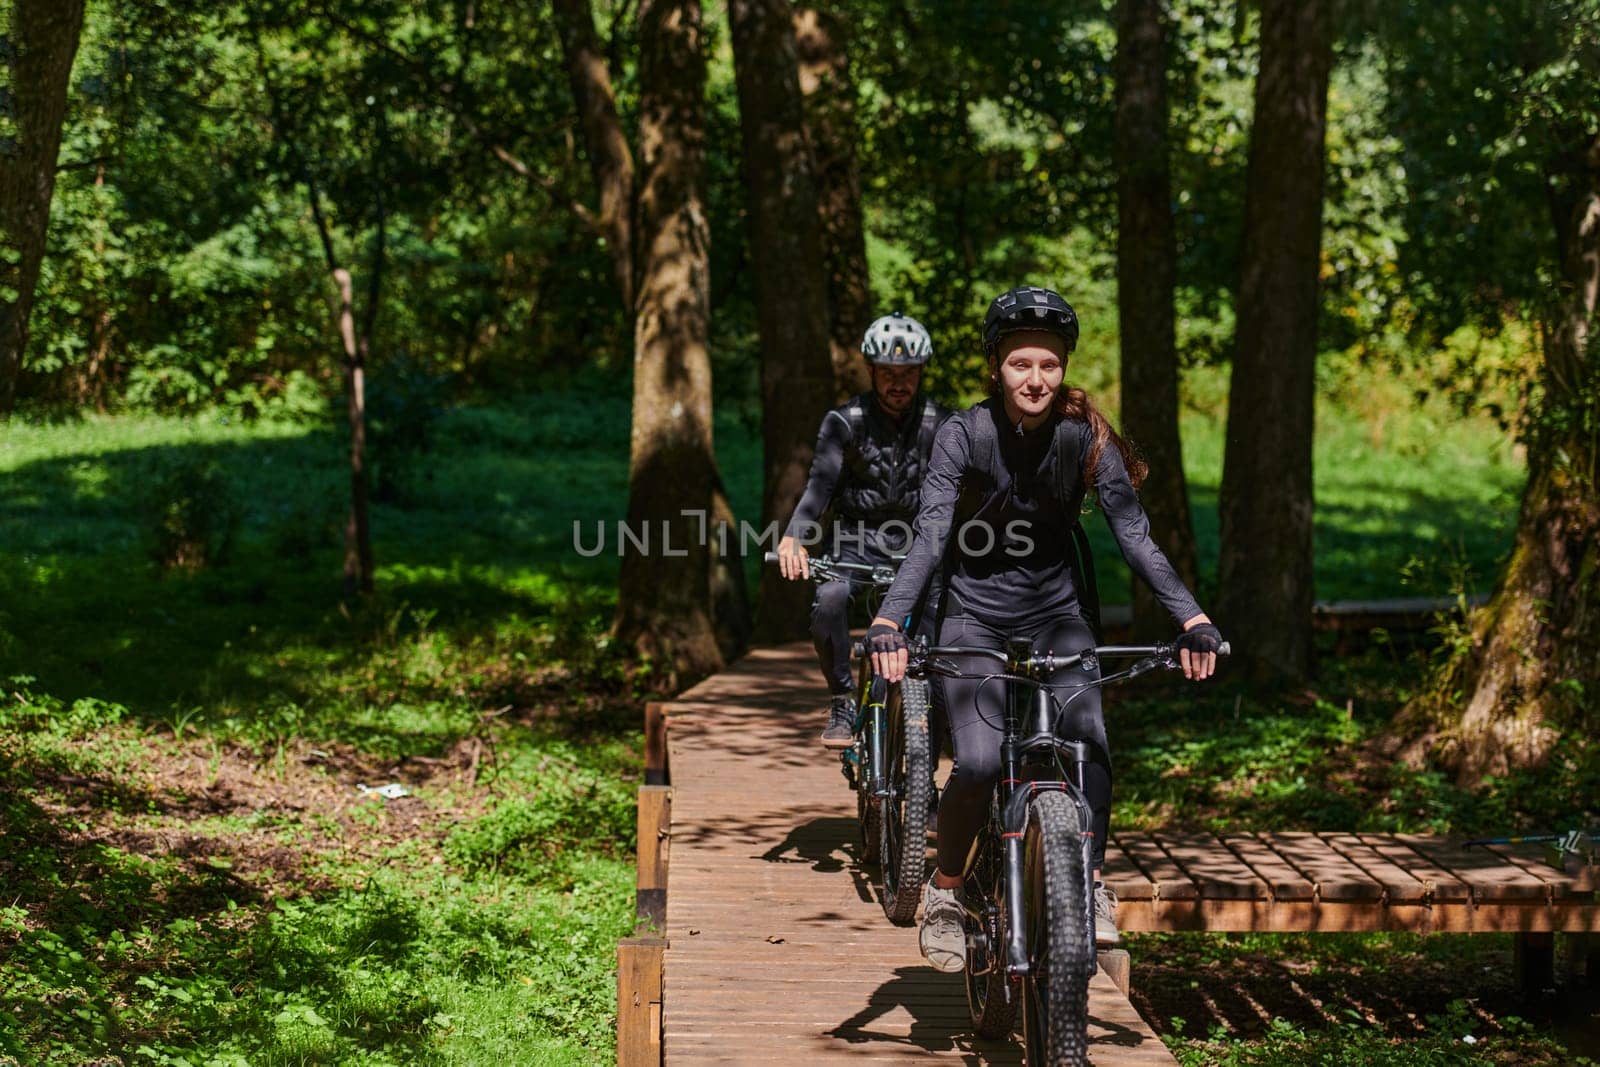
1073,403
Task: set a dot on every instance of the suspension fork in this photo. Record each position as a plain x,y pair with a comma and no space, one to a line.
1014,801
877,737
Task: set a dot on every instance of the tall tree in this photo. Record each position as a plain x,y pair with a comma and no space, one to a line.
831,130
1146,272
1265,584
622,214
791,293
610,161
664,604
1526,75
37,44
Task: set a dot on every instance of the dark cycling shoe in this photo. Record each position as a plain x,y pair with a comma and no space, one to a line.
841,731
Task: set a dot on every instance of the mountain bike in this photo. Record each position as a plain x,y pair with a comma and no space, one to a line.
890,765
1030,883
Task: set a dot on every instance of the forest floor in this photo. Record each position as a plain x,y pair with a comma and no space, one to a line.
193,872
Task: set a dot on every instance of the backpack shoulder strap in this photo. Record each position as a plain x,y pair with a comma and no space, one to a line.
1069,457
930,423
856,416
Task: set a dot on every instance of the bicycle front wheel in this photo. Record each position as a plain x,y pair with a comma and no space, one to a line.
903,822
1055,995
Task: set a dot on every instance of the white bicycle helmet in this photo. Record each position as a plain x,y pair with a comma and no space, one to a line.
897,340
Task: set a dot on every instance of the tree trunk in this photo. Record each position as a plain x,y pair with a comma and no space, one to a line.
1266,582
1530,669
830,100
664,595
37,44
610,161
1146,273
358,524
791,295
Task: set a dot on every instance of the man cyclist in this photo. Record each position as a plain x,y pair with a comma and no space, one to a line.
871,455
999,517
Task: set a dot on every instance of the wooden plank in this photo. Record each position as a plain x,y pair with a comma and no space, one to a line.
1442,886
639,988
1153,862
1216,872
655,744
1124,877
1335,877
1282,880
1574,880
1489,877
1400,886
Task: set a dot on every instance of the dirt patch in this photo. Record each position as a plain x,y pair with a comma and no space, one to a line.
279,823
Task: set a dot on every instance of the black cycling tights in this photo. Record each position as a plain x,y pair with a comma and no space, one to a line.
977,716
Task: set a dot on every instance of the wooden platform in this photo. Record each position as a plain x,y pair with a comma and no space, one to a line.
777,950
1342,881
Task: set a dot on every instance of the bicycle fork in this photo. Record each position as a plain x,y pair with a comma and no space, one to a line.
877,732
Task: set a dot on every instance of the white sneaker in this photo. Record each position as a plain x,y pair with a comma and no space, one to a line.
1105,915
943,937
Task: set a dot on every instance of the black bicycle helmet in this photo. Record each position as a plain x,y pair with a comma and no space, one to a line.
1029,307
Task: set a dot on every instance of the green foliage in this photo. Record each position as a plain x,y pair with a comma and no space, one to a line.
193,518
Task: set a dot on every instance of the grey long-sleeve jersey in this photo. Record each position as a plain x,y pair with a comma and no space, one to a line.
1011,562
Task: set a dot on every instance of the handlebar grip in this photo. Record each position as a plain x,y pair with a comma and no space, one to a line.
769,557
1225,649
858,648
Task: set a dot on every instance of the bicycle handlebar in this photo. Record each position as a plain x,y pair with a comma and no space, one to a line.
924,657
824,568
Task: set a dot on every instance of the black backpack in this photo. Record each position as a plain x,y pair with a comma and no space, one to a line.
973,502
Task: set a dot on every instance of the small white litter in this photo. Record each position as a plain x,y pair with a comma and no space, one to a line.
1469,1039
392,791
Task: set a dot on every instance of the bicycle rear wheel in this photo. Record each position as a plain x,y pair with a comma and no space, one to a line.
1055,995
903,817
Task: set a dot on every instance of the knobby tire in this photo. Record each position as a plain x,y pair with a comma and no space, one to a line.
903,816
1055,995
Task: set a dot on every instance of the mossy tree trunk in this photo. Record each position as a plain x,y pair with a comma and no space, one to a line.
664,595
797,378
38,41
1530,667
1147,265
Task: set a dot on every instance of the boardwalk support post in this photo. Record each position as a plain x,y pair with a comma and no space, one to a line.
639,966
655,839
1535,958
656,769
1118,967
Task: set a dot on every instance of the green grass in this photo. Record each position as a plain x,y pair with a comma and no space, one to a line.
191,875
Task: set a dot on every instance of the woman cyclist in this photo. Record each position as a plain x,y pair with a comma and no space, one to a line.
999,503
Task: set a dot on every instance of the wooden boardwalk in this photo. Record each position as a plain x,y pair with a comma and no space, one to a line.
777,949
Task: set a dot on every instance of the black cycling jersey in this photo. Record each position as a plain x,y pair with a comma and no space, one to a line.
1011,563
868,467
